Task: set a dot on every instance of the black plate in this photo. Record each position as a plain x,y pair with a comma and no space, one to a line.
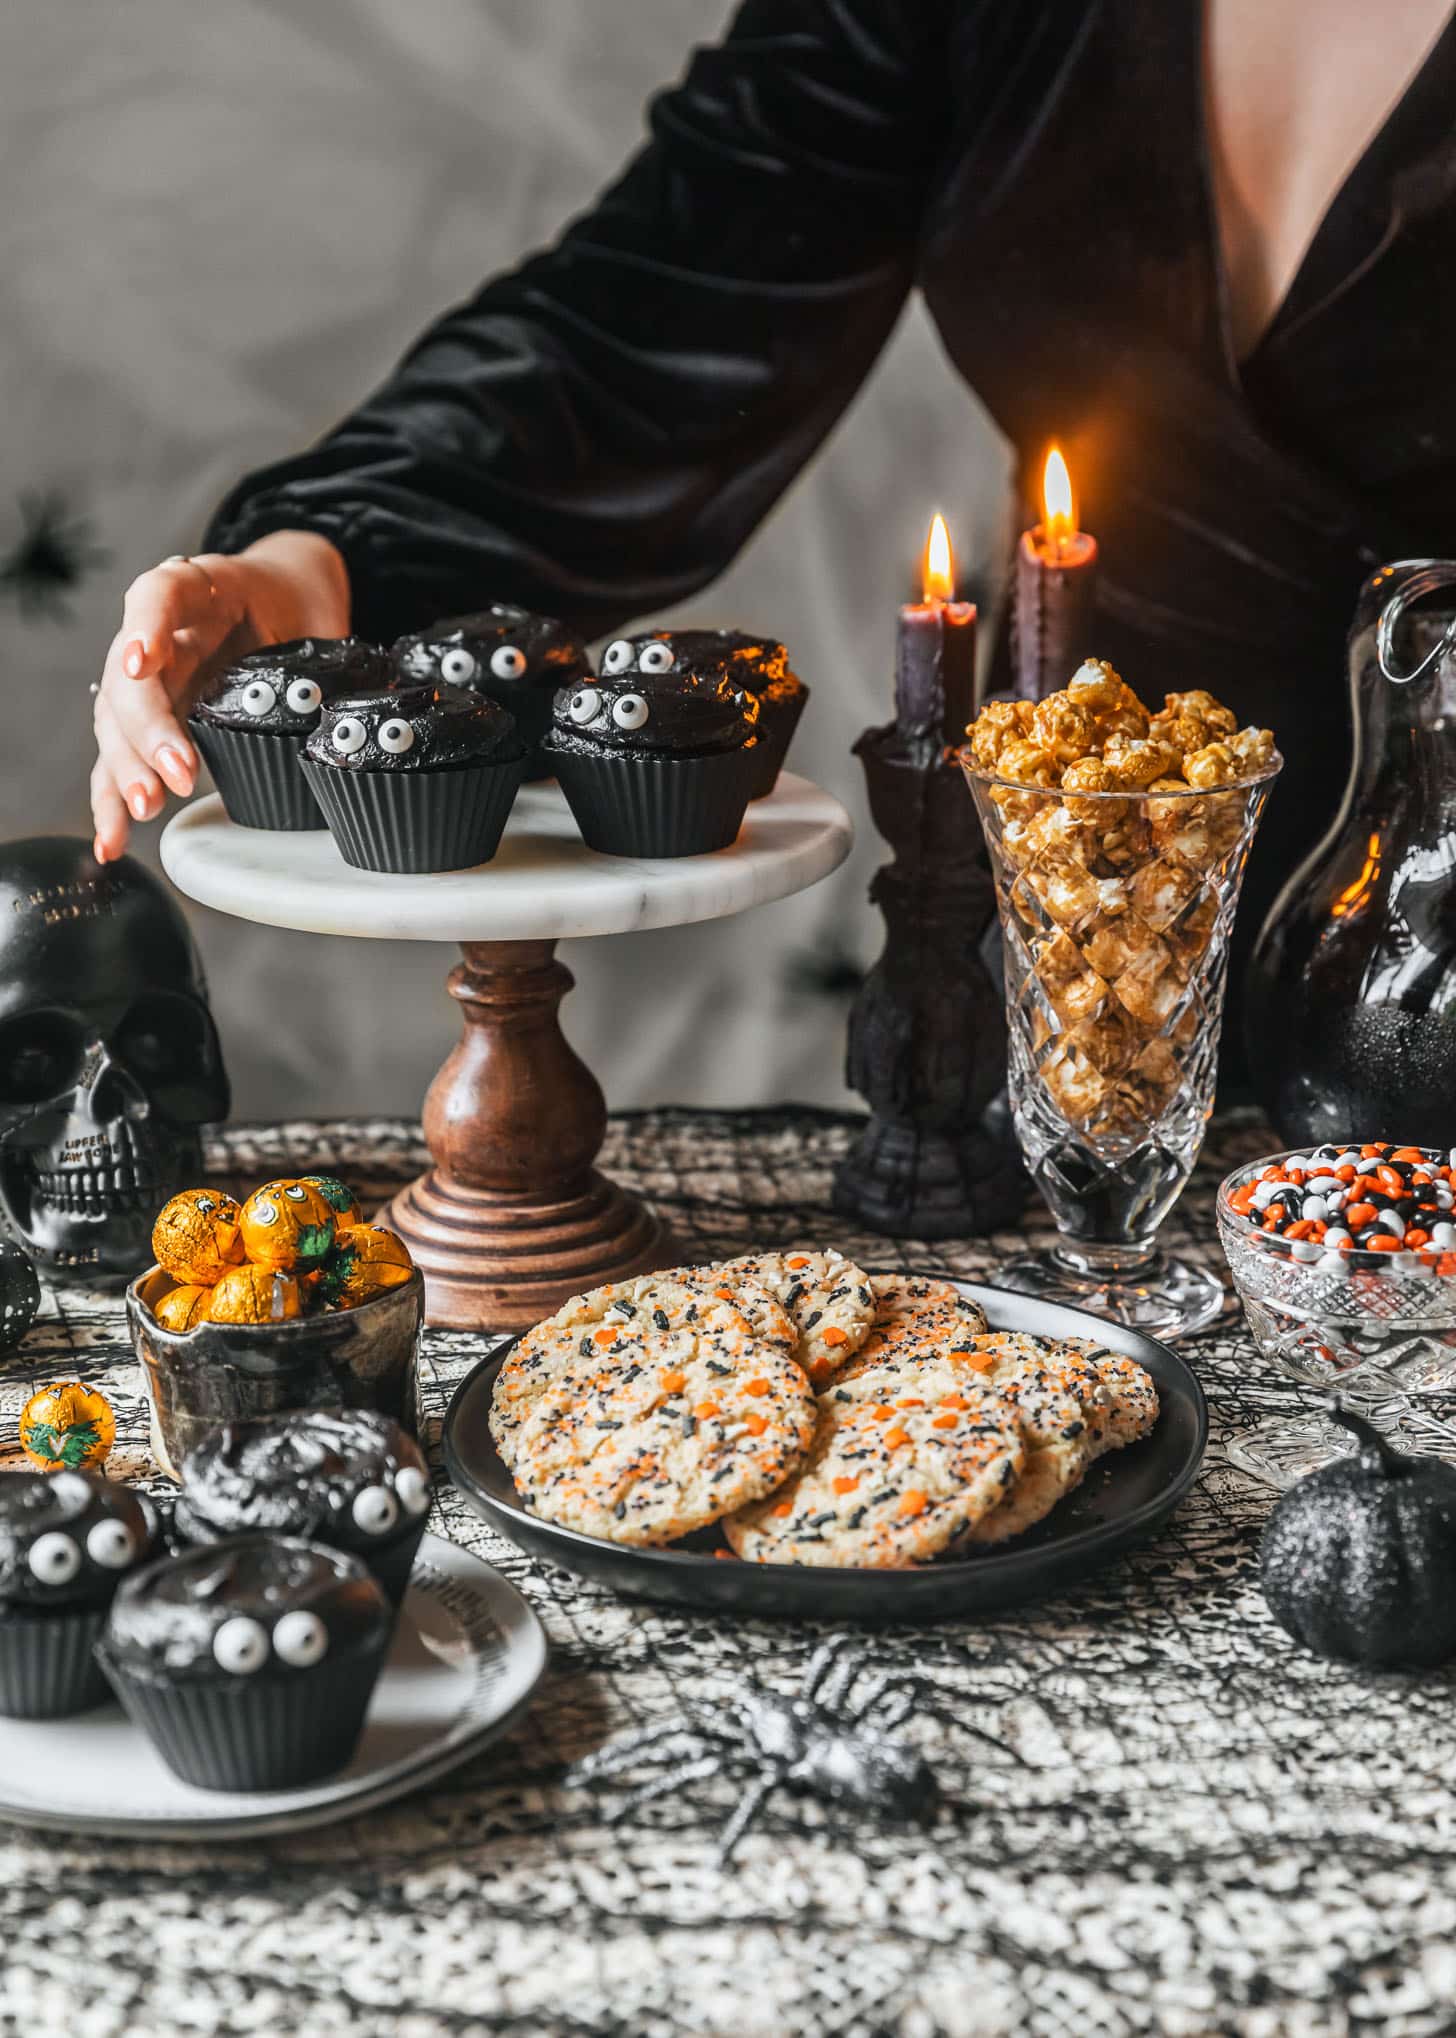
1122,1500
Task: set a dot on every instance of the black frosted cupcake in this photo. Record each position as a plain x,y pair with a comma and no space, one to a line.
249,1664
657,758
351,1479
418,779
759,665
519,660
67,1540
254,724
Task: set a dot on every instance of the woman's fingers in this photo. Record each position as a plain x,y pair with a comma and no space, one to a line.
123,786
108,812
193,595
144,713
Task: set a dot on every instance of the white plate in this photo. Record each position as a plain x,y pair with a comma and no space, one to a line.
467,1655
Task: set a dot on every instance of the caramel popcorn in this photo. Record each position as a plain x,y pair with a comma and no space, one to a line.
999,723
1115,853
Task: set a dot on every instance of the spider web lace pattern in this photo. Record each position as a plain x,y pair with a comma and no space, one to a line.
1206,1833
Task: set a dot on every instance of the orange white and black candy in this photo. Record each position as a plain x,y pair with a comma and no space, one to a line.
67,1426
253,1294
196,1237
183,1308
339,1197
367,1260
287,1225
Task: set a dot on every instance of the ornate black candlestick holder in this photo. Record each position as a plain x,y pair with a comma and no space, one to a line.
927,1033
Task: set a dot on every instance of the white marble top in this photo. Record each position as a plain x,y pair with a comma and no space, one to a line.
543,883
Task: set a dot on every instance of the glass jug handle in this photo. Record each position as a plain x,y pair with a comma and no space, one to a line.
1426,581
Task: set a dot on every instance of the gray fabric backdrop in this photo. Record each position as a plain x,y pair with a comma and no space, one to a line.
222,223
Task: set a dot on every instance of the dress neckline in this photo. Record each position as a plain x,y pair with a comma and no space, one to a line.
1352,191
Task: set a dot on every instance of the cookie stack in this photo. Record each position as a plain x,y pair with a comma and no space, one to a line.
821,1415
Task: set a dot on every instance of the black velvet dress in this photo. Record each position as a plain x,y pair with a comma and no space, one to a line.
597,433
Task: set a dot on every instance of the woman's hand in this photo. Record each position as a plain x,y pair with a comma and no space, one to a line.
181,622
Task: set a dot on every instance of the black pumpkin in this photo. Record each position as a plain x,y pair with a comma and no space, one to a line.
1359,1559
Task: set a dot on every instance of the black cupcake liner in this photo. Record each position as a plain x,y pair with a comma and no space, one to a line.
253,1733
48,1667
630,805
777,721
451,818
392,1563
259,776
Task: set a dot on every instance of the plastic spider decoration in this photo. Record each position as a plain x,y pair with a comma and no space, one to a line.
832,1741
52,555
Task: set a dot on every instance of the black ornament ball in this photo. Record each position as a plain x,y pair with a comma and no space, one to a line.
1359,1559
19,1294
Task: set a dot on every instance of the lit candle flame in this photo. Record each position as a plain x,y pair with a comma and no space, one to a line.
1059,509
939,576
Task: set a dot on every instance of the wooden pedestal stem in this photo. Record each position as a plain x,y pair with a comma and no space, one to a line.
513,1216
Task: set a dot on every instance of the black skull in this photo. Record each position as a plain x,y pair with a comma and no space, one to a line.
109,1059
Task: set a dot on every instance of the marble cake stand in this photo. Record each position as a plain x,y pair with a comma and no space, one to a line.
513,1215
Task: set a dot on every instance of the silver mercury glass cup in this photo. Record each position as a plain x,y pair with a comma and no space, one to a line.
1116,910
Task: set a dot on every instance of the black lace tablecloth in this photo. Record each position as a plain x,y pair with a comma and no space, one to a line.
1207,1831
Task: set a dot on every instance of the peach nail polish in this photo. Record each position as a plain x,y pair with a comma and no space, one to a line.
132,658
98,850
136,799
170,760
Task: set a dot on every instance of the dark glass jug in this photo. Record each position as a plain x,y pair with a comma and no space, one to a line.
1351,1009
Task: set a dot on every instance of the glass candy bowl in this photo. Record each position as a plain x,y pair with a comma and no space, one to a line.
1115,912
1377,1327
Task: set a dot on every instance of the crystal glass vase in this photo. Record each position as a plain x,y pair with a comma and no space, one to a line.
1116,910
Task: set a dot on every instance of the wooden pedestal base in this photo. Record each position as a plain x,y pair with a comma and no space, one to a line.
513,1216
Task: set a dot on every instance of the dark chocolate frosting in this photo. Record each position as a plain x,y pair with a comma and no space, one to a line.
758,664
68,1538
270,1606
283,689
660,707
352,1478
413,728
501,651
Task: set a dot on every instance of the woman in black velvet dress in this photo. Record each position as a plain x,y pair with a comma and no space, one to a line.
1212,249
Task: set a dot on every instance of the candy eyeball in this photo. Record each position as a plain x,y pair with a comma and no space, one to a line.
630,711
375,1510
259,698
349,735
54,1558
111,1544
458,666
300,1639
584,704
617,656
396,736
656,657
507,661
71,1489
240,1645
304,695
413,1489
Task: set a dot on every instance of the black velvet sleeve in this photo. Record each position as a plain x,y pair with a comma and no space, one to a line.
596,434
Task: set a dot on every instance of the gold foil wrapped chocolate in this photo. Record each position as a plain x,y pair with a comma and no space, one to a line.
67,1426
287,1225
196,1237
